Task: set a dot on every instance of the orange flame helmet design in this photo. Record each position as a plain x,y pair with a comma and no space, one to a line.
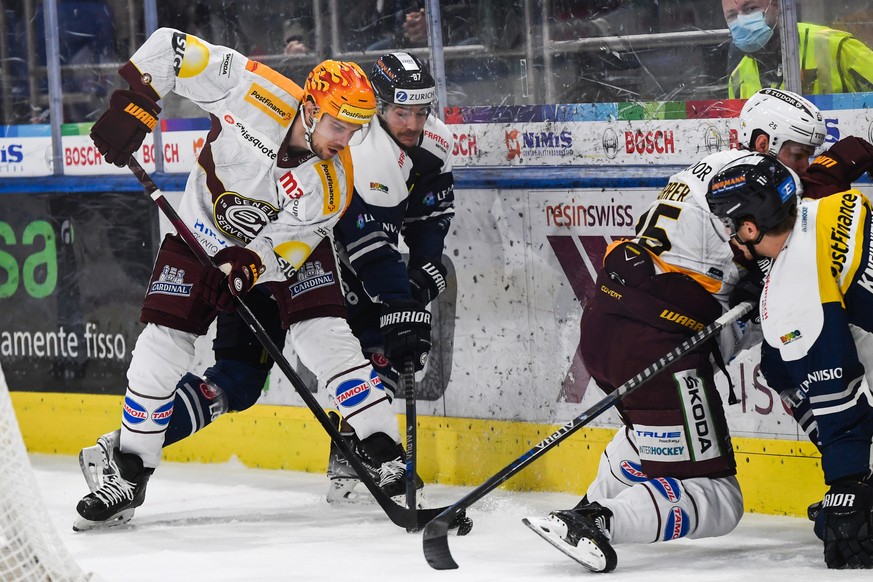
341,89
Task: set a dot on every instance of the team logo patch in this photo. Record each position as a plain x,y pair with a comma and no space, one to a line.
379,360
668,488
171,282
633,472
242,218
676,525
162,415
134,412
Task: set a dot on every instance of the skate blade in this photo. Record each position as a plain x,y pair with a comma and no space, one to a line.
91,463
121,518
586,553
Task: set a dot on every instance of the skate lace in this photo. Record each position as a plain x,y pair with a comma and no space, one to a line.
115,490
391,471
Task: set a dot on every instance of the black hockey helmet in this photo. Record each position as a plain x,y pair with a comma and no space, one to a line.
400,78
755,186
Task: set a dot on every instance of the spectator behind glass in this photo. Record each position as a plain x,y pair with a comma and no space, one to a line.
754,30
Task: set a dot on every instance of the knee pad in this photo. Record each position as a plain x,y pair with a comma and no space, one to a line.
198,402
359,397
242,382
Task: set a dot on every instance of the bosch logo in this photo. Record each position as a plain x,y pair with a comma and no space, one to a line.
134,412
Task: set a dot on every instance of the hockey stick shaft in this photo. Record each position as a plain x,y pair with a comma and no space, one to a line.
435,542
401,516
408,379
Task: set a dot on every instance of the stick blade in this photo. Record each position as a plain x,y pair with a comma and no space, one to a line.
436,544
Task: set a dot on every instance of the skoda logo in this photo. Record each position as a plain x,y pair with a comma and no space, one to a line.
401,96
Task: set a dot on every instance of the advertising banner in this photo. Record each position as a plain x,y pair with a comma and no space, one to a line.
73,269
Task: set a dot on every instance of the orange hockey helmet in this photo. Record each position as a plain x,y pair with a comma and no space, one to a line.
341,89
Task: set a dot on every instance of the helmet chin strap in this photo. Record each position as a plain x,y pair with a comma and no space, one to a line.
750,244
308,129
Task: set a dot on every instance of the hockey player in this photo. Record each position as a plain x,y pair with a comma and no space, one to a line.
270,184
670,471
816,318
403,185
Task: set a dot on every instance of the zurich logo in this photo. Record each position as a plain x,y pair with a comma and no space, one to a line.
401,96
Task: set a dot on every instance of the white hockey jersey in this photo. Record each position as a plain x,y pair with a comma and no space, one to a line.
683,235
408,191
247,188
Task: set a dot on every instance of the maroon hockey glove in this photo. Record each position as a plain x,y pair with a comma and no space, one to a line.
215,292
846,522
836,169
405,328
242,266
121,130
427,281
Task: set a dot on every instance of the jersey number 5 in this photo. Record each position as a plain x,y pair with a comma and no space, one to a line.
653,236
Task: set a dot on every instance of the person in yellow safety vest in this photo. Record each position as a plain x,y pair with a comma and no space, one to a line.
831,61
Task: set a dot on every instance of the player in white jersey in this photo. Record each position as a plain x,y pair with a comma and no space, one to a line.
670,472
272,180
817,320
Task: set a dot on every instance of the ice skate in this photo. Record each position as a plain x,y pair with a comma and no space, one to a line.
582,533
122,490
94,460
384,459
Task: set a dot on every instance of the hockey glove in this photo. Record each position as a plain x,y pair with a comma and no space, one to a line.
749,289
427,281
242,267
405,328
846,525
836,169
214,291
121,130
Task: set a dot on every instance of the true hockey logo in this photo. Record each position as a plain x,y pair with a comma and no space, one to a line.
171,282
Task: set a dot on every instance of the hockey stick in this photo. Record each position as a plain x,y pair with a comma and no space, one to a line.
407,377
436,546
410,518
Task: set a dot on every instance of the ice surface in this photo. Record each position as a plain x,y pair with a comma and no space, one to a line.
227,522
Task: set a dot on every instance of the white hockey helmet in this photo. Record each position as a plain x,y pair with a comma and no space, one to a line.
783,116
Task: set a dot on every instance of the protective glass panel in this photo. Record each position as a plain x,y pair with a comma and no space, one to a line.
23,85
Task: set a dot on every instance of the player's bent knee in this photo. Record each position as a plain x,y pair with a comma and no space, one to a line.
198,402
242,382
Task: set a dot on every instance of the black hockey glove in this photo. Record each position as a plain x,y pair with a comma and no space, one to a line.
242,267
749,288
836,169
405,328
846,522
121,130
427,281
